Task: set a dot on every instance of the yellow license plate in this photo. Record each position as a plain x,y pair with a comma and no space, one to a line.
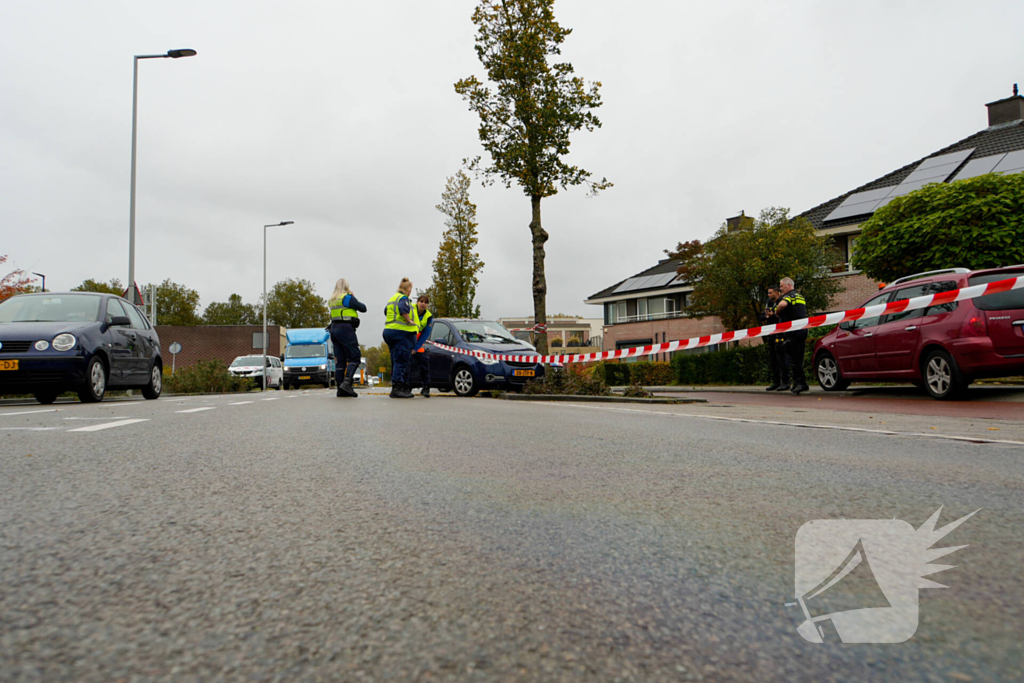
8,365
304,377
522,373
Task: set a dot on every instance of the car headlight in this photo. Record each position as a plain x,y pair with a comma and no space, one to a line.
489,361
42,345
323,367
64,342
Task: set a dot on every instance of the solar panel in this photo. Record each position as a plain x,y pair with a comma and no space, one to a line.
643,282
661,279
859,203
1013,162
943,159
979,166
907,188
625,286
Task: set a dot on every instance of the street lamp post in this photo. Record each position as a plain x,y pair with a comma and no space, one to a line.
266,342
44,279
173,54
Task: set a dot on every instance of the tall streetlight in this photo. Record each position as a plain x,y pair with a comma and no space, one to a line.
173,54
44,279
266,342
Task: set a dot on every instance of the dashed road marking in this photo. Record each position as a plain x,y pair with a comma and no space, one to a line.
195,410
119,417
30,412
268,399
109,425
28,429
241,403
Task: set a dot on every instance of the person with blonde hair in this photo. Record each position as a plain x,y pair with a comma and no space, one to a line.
345,310
400,335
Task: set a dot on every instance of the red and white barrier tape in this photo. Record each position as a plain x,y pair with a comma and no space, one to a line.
925,301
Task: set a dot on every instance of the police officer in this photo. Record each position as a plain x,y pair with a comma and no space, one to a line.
345,309
776,362
424,323
400,336
793,306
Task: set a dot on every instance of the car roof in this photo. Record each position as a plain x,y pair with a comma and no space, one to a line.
948,275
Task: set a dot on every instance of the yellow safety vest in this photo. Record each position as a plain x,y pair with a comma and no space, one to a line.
393,319
421,323
340,312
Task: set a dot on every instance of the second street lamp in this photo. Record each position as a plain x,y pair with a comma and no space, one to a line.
172,54
266,342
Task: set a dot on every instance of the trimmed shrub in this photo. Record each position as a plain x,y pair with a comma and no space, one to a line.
556,342
651,373
614,374
206,376
636,391
576,379
575,341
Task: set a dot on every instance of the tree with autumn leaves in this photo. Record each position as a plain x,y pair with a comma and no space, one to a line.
526,118
14,283
457,266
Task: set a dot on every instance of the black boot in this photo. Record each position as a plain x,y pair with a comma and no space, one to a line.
783,387
799,388
345,389
402,391
773,387
425,392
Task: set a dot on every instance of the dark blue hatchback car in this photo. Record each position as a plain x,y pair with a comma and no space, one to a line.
466,375
76,341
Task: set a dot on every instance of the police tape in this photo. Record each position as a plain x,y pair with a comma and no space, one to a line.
915,303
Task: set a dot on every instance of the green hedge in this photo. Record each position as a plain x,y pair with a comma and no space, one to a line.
206,376
738,365
645,373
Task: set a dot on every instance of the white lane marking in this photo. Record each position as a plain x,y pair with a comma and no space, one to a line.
268,399
883,432
30,412
195,410
28,429
119,417
108,425
241,403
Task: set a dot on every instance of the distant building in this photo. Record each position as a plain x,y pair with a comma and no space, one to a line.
586,330
224,342
650,306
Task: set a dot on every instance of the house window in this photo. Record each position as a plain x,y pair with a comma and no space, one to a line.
609,314
641,310
656,307
851,245
621,312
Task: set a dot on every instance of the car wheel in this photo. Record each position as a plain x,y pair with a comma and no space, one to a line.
280,385
95,386
464,382
46,397
829,376
942,378
156,383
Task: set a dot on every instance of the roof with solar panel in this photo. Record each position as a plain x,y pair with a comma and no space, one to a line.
659,277
996,149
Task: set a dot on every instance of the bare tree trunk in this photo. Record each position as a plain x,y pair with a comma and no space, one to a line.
540,285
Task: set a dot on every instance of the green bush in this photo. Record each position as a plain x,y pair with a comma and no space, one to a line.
575,341
205,377
636,391
556,342
576,379
613,374
643,372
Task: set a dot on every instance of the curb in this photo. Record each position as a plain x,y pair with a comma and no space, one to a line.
596,399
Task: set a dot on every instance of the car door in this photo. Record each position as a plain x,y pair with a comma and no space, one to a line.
897,336
145,347
277,372
121,343
440,361
855,344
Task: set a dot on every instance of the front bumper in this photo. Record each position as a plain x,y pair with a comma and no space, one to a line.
313,377
35,373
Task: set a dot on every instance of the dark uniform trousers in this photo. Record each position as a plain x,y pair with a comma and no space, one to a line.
346,350
777,363
794,345
419,368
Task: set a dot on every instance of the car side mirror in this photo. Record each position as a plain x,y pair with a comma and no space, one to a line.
846,325
120,321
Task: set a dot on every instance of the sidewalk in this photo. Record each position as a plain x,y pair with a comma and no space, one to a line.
991,392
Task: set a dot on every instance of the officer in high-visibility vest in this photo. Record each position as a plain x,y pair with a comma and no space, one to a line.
777,365
793,306
424,323
345,310
400,335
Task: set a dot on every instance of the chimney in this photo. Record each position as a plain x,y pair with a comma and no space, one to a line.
740,222
1006,111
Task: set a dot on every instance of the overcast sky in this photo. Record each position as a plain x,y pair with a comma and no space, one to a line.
341,116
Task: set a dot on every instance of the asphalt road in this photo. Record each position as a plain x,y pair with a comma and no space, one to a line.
304,537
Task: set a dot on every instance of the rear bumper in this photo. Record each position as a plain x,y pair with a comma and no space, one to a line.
977,357
34,374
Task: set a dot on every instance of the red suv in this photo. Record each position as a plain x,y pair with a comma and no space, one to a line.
941,348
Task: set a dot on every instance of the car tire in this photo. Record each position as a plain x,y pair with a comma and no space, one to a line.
463,382
942,377
279,386
155,387
94,387
830,377
46,397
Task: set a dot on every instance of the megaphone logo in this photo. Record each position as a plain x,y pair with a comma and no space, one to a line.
858,579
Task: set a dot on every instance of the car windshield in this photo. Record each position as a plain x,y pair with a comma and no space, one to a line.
247,360
63,308
305,351
1004,301
476,331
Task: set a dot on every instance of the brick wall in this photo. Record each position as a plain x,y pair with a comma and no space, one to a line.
858,288
225,342
673,329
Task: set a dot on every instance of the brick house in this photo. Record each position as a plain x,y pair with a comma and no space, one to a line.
650,306
226,342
